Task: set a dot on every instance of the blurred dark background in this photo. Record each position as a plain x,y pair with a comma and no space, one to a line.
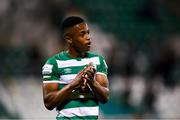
140,40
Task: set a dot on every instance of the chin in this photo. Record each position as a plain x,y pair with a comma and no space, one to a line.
89,49
86,50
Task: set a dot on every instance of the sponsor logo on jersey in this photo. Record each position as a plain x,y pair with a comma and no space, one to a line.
68,70
47,69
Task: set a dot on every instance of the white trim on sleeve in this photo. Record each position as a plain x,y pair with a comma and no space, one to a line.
53,81
100,73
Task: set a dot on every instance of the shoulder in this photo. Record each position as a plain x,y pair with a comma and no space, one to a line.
97,57
52,59
93,54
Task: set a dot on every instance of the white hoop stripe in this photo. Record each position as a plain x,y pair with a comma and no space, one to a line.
80,111
71,63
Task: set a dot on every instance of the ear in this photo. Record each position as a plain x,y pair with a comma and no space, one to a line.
68,39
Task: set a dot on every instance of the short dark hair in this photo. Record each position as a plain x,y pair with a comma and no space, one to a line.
71,21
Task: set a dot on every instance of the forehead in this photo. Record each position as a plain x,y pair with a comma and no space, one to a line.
81,26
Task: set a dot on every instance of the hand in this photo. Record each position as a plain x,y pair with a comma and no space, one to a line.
88,76
76,83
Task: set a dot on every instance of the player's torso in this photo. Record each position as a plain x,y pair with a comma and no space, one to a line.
80,101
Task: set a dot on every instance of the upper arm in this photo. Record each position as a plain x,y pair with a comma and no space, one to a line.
49,87
49,93
102,80
102,71
50,77
102,67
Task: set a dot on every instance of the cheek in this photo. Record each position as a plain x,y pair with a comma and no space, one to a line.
79,41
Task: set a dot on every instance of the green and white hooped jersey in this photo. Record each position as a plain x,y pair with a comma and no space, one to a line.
62,69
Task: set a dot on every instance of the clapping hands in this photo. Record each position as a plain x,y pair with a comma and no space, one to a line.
85,77
88,75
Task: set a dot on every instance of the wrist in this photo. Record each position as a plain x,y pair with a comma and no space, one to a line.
70,86
74,83
91,82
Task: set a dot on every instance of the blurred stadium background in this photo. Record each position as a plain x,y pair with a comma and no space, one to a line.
140,40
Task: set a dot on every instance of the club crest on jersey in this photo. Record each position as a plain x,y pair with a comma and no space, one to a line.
47,69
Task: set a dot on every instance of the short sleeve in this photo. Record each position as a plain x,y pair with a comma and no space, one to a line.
50,71
102,68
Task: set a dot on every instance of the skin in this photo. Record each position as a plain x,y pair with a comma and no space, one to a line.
78,40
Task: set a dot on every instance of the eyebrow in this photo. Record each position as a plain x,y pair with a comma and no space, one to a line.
84,31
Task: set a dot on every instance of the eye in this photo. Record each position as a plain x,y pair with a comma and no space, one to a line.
82,33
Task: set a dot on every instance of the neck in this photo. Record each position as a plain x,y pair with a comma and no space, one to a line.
75,54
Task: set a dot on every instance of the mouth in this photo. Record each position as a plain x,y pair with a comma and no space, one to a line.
88,44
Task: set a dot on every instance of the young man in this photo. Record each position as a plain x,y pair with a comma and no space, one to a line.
75,81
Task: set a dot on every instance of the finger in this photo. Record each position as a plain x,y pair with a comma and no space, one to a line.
80,73
83,86
89,71
93,69
87,68
84,77
89,74
91,63
84,82
88,77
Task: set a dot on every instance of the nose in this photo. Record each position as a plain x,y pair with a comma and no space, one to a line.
88,37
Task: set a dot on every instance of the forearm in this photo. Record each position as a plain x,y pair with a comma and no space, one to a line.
53,99
102,93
